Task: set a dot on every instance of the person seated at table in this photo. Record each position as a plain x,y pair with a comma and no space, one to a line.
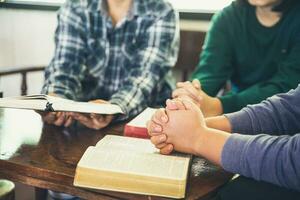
264,145
118,52
254,44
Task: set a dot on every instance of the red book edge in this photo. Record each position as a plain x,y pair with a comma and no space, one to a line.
133,131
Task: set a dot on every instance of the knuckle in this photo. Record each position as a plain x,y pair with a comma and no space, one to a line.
174,93
152,139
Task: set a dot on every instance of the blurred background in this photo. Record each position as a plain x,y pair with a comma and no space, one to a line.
27,31
27,44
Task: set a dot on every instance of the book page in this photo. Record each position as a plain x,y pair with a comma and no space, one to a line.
136,157
39,102
33,96
33,104
142,118
143,164
126,144
86,107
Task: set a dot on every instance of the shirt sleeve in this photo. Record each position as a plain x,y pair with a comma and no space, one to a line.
64,74
286,77
274,159
277,115
215,66
156,55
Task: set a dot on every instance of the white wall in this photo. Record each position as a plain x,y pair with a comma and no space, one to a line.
26,39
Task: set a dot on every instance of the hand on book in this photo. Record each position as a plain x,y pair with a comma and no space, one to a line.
57,118
179,126
210,106
94,121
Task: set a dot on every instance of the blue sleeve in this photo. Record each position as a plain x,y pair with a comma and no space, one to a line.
277,115
273,159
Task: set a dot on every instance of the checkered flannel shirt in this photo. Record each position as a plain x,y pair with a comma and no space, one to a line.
128,64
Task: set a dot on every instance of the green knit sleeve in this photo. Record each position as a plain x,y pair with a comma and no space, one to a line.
215,66
287,77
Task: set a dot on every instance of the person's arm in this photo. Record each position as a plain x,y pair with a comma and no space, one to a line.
286,77
273,159
155,55
64,74
219,122
215,66
277,115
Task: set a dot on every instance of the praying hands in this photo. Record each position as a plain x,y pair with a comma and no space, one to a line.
210,106
181,127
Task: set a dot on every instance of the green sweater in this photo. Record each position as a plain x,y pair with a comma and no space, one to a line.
259,61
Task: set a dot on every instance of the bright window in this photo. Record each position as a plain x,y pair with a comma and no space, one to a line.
194,6
200,6
36,2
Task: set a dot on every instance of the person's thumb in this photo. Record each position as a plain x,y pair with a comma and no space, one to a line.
196,83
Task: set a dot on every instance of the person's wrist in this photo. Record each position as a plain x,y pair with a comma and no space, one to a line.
217,105
219,122
199,142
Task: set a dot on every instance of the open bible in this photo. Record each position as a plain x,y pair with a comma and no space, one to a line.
52,104
132,165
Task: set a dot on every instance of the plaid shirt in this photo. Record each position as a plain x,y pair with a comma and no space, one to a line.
128,64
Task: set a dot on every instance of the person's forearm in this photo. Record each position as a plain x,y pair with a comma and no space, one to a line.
210,144
263,157
219,122
277,115
212,107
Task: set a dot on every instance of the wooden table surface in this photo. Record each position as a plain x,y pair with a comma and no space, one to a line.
45,156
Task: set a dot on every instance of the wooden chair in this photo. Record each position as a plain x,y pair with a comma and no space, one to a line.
191,43
4,71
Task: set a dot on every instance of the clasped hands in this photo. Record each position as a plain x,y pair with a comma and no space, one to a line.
180,126
210,106
94,121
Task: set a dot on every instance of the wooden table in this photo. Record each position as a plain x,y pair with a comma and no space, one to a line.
45,157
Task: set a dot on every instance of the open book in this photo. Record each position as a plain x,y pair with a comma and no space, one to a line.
51,103
132,165
137,127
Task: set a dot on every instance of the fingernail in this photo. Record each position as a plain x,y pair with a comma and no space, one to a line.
171,105
171,101
164,118
157,128
161,138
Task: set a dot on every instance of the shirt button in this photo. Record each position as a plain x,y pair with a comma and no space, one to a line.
283,50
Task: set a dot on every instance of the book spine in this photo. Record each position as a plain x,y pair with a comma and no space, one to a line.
139,132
